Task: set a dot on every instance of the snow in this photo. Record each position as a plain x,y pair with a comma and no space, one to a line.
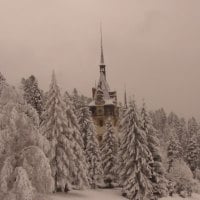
92,103
176,197
98,194
109,102
106,194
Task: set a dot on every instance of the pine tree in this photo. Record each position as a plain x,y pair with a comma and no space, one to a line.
3,83
90,143
19,124
174,151
109,155
135,157
173,120
32,93
91,146
66,155
193,128
85,122
181,132
192,154
158,179
22,187
159,119
93,158
77,135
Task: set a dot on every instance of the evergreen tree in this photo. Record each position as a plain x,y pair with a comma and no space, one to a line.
135,157
90,142
173,120
32,93
158,179
193,128
85,122
174,151
109,155
22,187
78,147
91,146
3,83
66,154
181,132
159,119
192,154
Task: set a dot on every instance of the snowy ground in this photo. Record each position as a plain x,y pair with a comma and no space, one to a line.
105,195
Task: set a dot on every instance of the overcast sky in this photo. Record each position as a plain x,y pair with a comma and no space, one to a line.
152,46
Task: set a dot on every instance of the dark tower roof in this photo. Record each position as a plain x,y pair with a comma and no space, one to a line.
102,87
102,56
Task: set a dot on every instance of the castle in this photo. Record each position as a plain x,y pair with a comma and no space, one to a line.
104,103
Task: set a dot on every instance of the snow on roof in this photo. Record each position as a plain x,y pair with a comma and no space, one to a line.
109,102
92,103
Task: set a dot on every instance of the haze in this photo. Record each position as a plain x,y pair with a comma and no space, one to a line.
152,46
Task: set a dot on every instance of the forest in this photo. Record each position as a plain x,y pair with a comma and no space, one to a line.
48,145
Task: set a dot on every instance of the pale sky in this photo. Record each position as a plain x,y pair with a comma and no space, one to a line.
152,46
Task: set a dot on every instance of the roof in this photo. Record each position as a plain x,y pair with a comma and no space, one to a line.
103,85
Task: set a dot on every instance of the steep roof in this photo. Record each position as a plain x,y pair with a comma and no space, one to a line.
103,85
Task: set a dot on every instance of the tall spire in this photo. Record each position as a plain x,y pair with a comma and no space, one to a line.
102,57
125,99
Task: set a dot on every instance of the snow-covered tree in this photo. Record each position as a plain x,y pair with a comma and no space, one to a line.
19,133
159,119
26,172
173,120
19,124
181,178
22,187
134,156
158,179
93,158
181,132
37,166
109,146
174,151
85,122
78,148
90,144
32,94
3,83
193,128
66,154
192,154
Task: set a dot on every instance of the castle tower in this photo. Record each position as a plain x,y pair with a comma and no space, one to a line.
104,105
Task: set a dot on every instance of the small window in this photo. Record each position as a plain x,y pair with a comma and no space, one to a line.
100,138
100,122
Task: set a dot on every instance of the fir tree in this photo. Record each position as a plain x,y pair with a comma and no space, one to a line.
135,157
174,151
3,83
91,146
192,154
193,128
22,187
181,132
159,119
173,120
158,179
32,93
65,155
78,148
85,122
109,155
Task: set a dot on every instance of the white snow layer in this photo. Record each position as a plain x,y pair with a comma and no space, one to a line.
106,194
